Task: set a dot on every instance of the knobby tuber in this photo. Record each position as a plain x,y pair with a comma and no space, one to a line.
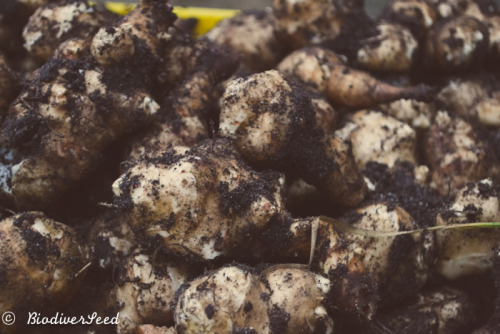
72,108
203,201
274,124
189,202
235,299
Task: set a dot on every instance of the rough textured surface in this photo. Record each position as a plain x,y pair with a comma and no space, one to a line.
52,24
253,34
273,123
474,99
459,43
341,84
305,22
40,261
455,154
378,138
202,201
72,108
463,252
366,271
234,299
145,291
392,49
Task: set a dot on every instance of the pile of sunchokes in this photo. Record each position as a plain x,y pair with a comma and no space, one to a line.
304,168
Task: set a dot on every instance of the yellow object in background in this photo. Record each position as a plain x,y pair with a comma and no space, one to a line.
207,17
120,8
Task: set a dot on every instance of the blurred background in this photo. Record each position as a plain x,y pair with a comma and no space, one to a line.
372,6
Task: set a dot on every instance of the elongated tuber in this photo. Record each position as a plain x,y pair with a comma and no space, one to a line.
341,84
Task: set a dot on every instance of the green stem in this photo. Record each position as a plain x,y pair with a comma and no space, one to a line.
377,234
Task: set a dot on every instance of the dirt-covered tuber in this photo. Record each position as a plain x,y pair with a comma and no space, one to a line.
236,299
455,154
370,271
253,34
274,124
342,85
202,201
465,252
54,23
145,291
40,262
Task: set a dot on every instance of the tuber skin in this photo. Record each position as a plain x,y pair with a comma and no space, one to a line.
253,34
145,291
183,57
417,114
187,110
202,202
327,117
484,11
188,73
71,109
454,153
273,124
185,206
40,262
460,43
148,24
461,252
14,16
364,272
391,50
454,8
376,137
312,22
110,240
341,84
215,303
235,299
55,128
462,97
54,23
419,16
151,329
367,273
475,100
